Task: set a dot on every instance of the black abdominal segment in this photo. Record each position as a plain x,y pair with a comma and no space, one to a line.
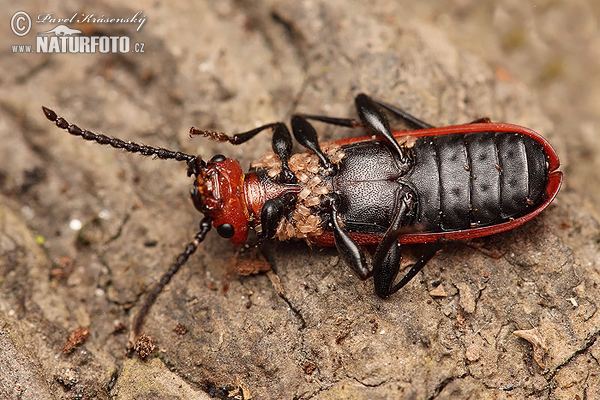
461,181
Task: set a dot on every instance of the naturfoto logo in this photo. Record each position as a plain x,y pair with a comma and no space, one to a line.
63,38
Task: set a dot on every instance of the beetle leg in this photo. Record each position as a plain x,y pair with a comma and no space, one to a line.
399,113
306,135
347,122
272,212
281,143
346,247
386,261
409,119
377,123
416,267
415,122
387,257
268,252
282,146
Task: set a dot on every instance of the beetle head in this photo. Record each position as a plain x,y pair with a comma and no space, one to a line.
218,192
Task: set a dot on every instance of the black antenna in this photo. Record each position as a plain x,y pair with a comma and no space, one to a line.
131,147
195,166
138,319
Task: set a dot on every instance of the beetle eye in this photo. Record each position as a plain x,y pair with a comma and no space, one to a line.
225,230
218,158
196,199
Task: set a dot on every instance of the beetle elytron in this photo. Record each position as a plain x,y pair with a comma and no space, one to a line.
390,188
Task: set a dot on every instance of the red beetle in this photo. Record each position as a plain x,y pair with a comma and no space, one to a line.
552,185
389,189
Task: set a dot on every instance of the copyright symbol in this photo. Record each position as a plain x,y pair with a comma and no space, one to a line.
20,23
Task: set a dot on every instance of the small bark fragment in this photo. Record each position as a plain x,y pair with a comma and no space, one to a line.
466,298
144,346
76,338
180,329
534,337
68,378
438,291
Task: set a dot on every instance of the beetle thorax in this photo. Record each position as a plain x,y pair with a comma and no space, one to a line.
313,184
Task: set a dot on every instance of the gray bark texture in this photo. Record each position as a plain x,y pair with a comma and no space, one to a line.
508,317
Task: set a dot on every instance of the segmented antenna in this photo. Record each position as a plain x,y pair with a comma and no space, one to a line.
138,320
131,147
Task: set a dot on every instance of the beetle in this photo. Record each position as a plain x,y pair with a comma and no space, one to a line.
386,189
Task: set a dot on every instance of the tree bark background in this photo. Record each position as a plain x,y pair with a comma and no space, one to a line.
234,64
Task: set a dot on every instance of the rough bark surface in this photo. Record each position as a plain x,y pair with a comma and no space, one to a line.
511,316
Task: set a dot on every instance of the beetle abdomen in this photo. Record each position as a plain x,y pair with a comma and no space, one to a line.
478,179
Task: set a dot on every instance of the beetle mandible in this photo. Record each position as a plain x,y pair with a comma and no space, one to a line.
388,189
